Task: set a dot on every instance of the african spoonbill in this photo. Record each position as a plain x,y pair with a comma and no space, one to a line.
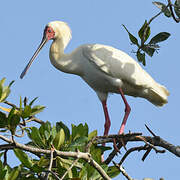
103,68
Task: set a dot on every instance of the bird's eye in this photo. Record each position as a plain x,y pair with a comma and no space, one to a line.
49,31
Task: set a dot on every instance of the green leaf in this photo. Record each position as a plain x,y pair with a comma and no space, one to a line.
113,171
59,139
14,173
10,84
131,37
96,175
60,125
92,135
141,57
79,131
163,8
37,109
15,119
5,93
26,112
3,120
96,153
23,157
1,90
79,142
145,28
36,137
83,173
177,8
162,36
2,81
35,168
11,113
43,162
20,104
30,104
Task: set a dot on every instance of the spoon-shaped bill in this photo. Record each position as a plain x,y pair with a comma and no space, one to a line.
43,42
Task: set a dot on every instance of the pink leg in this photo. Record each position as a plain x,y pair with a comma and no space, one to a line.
107,119
127,112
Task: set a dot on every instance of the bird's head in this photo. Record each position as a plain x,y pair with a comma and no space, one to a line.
55,30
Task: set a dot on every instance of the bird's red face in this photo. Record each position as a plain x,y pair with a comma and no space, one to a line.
49,33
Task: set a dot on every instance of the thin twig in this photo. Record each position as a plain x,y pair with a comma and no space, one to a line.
50,163
11,104
148,23
150,130
53,173
74,162
122,170
5,158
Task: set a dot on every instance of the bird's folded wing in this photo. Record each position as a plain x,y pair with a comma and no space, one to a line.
117,64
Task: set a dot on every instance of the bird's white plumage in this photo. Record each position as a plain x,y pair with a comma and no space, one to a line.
104,68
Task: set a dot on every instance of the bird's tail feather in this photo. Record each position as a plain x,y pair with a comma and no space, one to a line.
158,96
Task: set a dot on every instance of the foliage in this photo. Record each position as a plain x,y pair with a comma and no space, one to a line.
48,137
144,32
150,47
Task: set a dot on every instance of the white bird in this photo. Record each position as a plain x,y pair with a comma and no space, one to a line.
103,68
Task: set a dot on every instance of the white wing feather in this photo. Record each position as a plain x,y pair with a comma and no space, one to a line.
117,64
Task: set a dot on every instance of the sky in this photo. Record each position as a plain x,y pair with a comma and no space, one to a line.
67,97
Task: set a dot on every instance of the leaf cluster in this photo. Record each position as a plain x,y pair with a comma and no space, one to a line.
46,136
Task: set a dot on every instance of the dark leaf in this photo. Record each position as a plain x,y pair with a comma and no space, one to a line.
60,125
144,32
177,8
163,8
150,51
113,171
162,36
141,57
30,104
3,120
10,84
131,37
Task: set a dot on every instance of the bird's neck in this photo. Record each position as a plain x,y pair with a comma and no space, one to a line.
61,61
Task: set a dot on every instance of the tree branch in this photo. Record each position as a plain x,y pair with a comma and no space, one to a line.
78,155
